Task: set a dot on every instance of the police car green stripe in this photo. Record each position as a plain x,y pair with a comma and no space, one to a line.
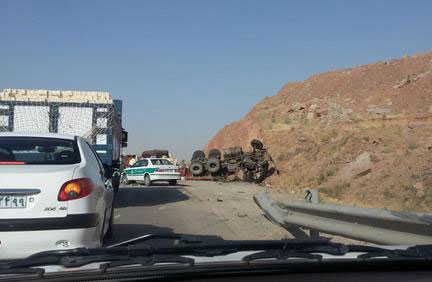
140,171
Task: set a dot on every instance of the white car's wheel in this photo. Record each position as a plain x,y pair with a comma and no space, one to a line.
124,179
102,234
109,232
147,181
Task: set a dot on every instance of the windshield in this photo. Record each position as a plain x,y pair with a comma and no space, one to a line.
160,162
38,151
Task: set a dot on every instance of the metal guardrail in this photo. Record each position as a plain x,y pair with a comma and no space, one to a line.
366,224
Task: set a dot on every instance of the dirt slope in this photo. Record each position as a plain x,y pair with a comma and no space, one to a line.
362,135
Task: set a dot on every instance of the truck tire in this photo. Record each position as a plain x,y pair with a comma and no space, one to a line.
258,144
197,155
213,165
196,168
147,181
214,153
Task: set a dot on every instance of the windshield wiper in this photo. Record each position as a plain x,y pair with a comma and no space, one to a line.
180,238
191,246
414,252
152,260
420,252
146,254
24,270
281,255
121,260
305,252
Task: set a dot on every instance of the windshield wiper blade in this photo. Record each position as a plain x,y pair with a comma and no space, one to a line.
181,238
43,258
424,251
414,252
23,270
152,260
295,246
107,261
281,255
121,260
305,252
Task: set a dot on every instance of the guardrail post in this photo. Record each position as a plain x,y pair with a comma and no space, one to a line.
312,196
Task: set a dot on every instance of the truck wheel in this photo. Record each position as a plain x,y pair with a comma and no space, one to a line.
147,181
258,144
214,153
172,182
198,155
197,168
124,179
213,165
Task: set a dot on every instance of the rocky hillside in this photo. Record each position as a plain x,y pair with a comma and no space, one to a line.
362,135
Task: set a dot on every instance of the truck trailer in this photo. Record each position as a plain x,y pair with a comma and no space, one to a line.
92,115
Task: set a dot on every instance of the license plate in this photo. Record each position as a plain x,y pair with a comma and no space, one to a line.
13,202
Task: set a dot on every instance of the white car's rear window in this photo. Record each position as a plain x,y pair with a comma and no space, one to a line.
35,150
160,162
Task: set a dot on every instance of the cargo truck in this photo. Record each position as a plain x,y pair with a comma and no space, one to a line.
92,115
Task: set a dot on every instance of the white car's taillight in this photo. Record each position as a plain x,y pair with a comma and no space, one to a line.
75,189
12,163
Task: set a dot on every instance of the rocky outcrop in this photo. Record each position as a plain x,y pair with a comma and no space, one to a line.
364,131
361,166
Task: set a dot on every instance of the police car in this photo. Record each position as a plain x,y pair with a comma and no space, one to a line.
151,170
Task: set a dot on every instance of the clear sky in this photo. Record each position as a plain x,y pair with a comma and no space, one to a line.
184,69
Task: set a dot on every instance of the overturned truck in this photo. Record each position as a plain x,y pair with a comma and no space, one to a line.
253,166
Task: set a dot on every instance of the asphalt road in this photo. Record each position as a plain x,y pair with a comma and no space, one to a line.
161,208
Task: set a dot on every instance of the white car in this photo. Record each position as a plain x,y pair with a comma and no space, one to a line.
151,170
53,194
